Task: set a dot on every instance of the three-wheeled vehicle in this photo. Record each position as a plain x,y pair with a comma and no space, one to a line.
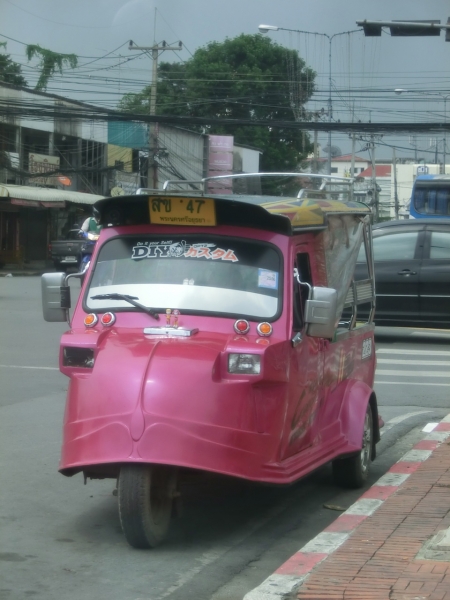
218,332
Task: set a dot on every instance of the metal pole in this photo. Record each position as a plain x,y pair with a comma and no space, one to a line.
152,174
374,182
330,103
445,131
316,153
352,168
394,164
267,28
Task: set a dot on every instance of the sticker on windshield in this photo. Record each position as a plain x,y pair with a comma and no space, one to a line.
267,279
170,249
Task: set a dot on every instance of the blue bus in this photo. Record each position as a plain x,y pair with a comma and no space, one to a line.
430,197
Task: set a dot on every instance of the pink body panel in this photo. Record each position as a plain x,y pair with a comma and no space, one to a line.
155,399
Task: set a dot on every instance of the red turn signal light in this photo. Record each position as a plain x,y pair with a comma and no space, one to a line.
264,329
108,319
242,326
91,320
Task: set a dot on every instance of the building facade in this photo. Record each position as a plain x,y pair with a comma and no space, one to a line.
52,169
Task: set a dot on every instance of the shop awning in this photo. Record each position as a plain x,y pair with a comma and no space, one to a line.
27,195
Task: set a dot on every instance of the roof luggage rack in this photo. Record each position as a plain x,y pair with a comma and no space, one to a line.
322,184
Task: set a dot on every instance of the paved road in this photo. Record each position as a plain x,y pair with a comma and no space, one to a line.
61,540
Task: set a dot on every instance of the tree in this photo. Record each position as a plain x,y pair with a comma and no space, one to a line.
10,72
245,77
49,63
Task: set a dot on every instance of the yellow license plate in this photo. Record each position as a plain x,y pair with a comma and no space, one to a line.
182,211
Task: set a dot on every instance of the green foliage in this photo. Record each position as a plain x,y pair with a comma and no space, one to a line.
10,72
49,63
241,78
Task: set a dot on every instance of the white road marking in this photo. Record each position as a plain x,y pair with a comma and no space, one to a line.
23,367
433,363
433,331
417,352
412,373
396,420
401,418
410,383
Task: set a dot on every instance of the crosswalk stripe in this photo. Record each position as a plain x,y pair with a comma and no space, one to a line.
395,361
425,383
412,373
413,352
26,367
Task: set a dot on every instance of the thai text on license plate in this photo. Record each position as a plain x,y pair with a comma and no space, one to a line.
182,211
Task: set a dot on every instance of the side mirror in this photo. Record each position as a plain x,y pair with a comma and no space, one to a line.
320,312
55,297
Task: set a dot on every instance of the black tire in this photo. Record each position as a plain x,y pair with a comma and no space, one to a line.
145,503
352,472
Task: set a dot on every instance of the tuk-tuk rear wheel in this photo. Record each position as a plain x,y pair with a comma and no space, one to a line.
353,471
145,495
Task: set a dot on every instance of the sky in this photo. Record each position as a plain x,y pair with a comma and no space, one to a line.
364,71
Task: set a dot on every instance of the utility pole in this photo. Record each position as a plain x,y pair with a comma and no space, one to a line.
394,164
374,181
316,149
156,50
352,168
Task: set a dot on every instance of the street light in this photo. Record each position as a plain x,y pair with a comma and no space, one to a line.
399,91
267,28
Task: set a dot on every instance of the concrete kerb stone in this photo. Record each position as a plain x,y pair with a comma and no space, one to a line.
288,578
23,274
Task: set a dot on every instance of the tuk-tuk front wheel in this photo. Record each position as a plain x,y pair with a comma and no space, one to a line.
145,495
352,472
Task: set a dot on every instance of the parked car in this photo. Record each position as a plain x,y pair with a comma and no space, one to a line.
67,253
412,272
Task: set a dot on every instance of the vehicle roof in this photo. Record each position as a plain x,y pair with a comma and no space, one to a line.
411,222
273,213
437,177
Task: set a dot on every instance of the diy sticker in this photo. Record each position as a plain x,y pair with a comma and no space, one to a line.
170,249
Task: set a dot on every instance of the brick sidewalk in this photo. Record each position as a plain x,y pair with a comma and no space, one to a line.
370,551
378,562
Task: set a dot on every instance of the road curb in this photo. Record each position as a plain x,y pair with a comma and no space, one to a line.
24,274
289,577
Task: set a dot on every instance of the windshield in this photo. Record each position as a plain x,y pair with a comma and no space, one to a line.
432,200
201,273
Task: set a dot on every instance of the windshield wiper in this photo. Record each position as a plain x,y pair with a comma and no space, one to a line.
130,299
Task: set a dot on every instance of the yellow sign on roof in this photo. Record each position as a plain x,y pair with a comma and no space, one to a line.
309,212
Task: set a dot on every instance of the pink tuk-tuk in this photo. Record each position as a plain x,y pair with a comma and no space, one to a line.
222,333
